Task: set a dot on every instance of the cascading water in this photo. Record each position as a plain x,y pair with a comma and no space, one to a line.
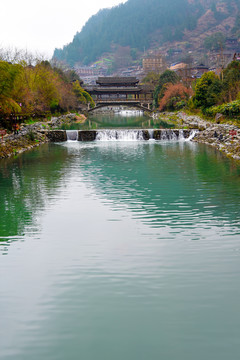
181,135
131,135
72,135
192,134
151,134
169,135
119,135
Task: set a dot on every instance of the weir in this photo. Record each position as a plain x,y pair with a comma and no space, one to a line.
72,135
121,135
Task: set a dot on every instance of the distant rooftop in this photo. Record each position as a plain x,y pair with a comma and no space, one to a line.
129,80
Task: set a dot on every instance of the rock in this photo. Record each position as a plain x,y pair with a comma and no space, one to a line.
87,135
55,135
146,135
218,118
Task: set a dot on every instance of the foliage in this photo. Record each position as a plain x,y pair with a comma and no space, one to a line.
151,78
215,41
229,109
130,25
31,135
175,97
231,81
207,90
168,77
8,74
82,95
28,90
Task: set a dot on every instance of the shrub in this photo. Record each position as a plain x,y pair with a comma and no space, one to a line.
229,109
31,136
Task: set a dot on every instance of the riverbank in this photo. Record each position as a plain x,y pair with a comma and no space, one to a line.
32,135
225,137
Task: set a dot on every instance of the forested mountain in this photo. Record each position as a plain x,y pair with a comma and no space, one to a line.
140,23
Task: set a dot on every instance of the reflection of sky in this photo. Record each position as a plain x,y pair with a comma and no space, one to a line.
165,185
111,271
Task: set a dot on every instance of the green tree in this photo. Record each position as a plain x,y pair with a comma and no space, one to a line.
231,81
82,96
151,78
8,74
207,91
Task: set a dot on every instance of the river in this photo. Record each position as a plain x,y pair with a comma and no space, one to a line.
120,250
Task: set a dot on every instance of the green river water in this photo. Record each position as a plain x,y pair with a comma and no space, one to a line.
120,250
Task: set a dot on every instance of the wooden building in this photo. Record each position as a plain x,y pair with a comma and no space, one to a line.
124,90
153,63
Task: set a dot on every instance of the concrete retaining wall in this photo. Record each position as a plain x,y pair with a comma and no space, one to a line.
90,135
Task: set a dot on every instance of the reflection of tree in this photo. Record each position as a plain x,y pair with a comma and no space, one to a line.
173,179
170,184
27,183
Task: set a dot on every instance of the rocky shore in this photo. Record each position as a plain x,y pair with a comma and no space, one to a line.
32,135
223,136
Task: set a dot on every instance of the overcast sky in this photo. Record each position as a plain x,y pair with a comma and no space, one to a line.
41,26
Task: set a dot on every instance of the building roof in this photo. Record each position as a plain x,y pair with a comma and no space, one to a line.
179,66
117,80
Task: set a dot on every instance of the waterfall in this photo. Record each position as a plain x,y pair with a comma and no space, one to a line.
131,135
119,135
72,135
181,135
169,135
151,134
192,134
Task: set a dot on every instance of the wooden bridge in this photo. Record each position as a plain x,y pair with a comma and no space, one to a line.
120,91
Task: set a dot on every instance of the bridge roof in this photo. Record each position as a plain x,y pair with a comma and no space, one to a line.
117,81
112,89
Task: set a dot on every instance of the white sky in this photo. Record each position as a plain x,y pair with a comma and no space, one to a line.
43,25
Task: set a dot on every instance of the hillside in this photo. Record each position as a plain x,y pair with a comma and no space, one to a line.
145,24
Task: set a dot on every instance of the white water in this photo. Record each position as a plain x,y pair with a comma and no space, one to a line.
192,134
151,133
169,135
72,135
136,135
119,135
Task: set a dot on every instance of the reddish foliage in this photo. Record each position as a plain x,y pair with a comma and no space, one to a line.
176,92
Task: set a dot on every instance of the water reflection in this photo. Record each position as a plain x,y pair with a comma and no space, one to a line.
101,262
175,184
123,119
27,183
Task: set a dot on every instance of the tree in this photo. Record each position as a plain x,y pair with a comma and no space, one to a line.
82,96
231,81
151,78
8,74
165,78
215,41
174,94
207,91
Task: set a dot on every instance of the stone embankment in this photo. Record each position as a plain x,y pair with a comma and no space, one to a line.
32,135
225,137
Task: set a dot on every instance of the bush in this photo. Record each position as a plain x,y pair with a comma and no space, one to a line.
175,97
229,109
31,136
